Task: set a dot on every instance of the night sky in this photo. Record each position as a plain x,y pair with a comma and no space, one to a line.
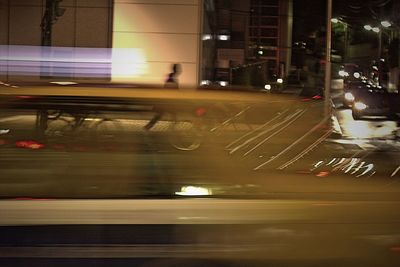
310,15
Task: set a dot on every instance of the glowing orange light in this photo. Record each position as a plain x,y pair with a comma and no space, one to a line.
29,144
322,174
200,111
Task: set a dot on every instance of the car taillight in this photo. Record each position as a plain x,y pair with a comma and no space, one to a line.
29,144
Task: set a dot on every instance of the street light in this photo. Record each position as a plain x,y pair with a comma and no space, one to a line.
334,20
376,29
368,27
386,24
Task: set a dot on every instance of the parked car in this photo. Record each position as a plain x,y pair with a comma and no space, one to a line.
375,101
351,89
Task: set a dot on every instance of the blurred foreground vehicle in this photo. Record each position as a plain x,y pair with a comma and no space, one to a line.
112,176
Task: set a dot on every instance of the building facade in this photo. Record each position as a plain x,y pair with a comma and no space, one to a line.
138,41
249,37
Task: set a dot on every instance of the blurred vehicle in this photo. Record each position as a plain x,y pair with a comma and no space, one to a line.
374,101
351,89
350,72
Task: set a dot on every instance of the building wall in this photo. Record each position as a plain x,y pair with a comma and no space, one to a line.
20,23
85,23
260,40
162,32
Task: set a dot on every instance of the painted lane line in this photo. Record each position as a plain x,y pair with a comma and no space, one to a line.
271,128
273,134
293,144
280,114
305,151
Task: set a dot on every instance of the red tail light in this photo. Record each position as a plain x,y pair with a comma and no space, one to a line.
29,144
200,111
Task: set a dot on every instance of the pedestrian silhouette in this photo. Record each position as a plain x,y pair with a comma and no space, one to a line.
172,78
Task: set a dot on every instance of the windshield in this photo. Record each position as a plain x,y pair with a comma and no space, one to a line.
199,133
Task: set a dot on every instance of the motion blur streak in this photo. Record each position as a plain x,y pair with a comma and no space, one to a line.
72,61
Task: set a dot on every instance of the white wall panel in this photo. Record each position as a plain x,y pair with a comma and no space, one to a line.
156,18
160,47
156,73
165,31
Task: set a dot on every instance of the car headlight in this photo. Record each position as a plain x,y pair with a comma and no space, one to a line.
360,106
343,73
223,83
268,87
349,96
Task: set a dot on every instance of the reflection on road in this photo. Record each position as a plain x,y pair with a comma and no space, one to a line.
372,128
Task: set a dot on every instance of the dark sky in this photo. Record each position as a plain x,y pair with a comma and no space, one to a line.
310,15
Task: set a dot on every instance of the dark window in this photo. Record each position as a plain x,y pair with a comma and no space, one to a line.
269,53
254,32
269,21
269,11
269,41
269,2
269,32
237,36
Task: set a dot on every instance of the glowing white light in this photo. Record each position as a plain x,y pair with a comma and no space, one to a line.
360,106
368,27
343,73
223,37
368,168
334,20
376,29
357,75
205,82
349,96
128,62
386,24
318,164
206,37
4,131
279,80
64,83
223,83
260,52
268,87
194,191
